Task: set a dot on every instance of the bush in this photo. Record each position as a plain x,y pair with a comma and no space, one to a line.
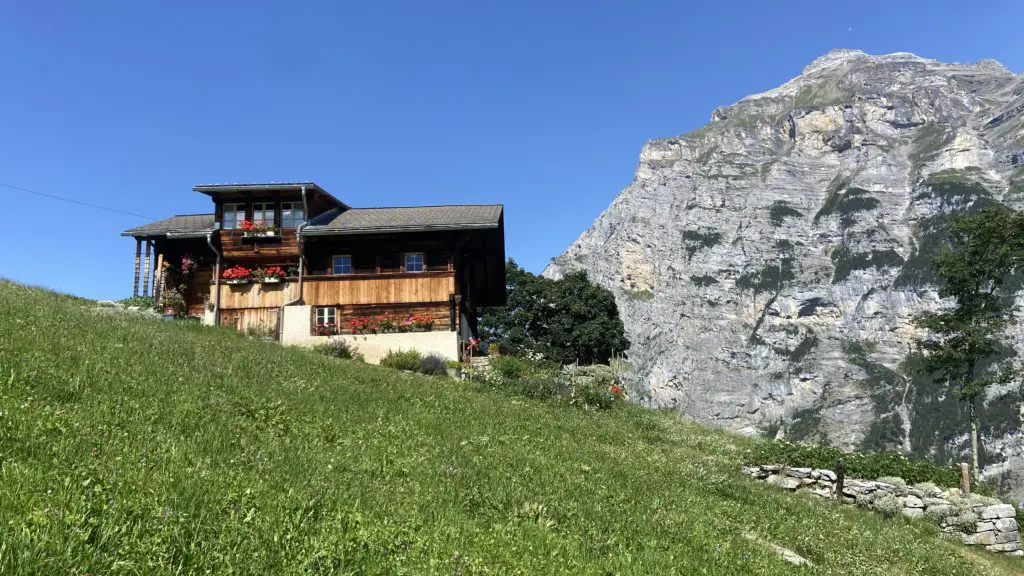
433,365
858,465
338,348
509,368
143,302
402,360
887,504
593,395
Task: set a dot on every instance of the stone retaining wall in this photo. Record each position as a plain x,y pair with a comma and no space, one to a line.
976,520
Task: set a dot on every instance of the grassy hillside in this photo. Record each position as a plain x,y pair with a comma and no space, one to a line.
146,447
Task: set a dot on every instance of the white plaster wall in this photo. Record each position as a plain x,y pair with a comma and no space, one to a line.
295,330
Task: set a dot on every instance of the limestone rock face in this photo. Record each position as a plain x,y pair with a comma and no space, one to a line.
767,265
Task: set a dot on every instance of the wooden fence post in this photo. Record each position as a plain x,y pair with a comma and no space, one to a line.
965,479
840,478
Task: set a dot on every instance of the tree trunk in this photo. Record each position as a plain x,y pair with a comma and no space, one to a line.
974,440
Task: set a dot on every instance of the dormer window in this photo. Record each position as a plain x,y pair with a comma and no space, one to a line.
292,214
233,216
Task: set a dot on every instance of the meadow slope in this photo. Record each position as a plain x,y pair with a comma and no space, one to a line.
145,447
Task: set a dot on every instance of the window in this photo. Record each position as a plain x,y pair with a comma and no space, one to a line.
233,215
341,264
414,262
324,316
263,214
292,214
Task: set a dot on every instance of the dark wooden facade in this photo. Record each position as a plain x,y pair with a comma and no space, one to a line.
463,268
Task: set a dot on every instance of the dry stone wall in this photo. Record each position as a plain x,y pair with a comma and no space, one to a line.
976,520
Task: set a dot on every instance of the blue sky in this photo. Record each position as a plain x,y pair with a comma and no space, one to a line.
542,106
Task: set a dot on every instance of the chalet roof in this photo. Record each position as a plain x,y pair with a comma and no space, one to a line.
406,219
214,189
352,221
180,224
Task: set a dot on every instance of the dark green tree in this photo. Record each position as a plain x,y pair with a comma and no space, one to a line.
565,320
962,347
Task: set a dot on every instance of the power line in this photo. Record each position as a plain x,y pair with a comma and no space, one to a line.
79,202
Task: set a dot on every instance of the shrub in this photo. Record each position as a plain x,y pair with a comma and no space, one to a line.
509,368
433,365
338,348
142,302
452,364
596,396
887,504
402,360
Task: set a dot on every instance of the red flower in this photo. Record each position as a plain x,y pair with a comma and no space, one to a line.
236,273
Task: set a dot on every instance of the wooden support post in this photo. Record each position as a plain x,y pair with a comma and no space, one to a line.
158,279
840,478
965,479
378,263
138,253
145,273
452,311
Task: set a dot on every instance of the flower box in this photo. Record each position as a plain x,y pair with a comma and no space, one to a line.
259,234
271,280
236,281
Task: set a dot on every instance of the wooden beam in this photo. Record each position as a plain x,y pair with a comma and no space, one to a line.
145,273
158,281
138,252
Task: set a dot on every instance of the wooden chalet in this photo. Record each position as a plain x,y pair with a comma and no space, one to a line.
294,261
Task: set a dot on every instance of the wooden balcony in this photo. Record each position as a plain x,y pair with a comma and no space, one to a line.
383,288
235,244
343,290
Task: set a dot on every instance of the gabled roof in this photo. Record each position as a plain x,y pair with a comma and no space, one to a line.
180,224
406,219
214,189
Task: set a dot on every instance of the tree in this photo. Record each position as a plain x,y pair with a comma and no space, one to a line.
565,320
962,348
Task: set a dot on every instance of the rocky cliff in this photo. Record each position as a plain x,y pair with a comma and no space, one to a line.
768,264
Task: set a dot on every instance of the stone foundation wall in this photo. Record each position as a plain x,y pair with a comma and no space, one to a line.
975,520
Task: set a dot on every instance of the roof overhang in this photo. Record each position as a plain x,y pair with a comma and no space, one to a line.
311,231
216,189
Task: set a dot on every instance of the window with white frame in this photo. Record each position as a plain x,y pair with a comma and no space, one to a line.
414,262
325,316
233,216
341,264
263,213
292,214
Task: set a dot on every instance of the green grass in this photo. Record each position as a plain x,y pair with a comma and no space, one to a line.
145,447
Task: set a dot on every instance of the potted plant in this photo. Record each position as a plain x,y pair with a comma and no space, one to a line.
422,322
257,229
360,325
454,369
237,275
273,274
